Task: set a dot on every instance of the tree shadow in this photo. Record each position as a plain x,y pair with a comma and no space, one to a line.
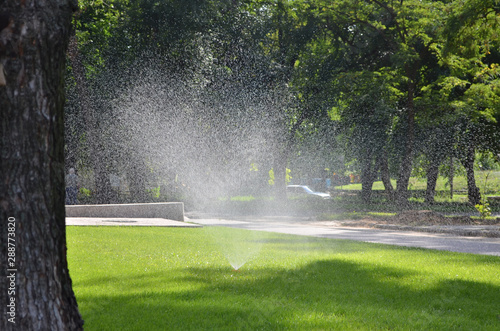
324,294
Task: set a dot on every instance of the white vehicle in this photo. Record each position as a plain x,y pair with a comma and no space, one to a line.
302,190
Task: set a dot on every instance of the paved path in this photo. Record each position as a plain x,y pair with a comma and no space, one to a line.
305,227
297,226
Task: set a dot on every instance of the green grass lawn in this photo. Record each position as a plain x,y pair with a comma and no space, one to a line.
487,181
135,278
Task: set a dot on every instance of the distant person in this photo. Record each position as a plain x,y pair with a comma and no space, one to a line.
71,187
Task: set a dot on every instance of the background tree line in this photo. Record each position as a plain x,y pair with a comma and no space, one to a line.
385,83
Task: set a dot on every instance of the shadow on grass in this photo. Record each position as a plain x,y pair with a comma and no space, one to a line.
326,294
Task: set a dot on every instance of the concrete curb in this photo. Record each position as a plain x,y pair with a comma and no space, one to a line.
167,210
115,221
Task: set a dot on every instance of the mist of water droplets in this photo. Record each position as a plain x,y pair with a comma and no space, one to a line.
210,138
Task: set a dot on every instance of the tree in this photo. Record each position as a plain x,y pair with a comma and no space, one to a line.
294,25
366,114
202,43
33,41
403,41
93,30
473,85
436,144
308,57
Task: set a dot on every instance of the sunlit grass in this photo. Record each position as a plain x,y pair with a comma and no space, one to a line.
238,198
487,181
132,278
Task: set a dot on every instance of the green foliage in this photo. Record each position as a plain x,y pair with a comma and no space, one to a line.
154,192
243,198
488,161
95,25
271,177
85,192
472,27
288,176
352,69
484,209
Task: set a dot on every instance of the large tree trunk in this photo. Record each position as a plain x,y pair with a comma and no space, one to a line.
451,175
385,176
32,236
407,160
468,163
432,176
367,177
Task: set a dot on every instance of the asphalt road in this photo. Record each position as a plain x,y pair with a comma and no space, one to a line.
297,226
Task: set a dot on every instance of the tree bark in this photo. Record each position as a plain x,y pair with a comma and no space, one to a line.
367,177
407,160
432,176
452,173
385,176
468,163
33,233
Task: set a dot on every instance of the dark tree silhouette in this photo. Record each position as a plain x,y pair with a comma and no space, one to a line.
35,286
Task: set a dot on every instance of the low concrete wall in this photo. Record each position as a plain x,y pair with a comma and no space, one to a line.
170,210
